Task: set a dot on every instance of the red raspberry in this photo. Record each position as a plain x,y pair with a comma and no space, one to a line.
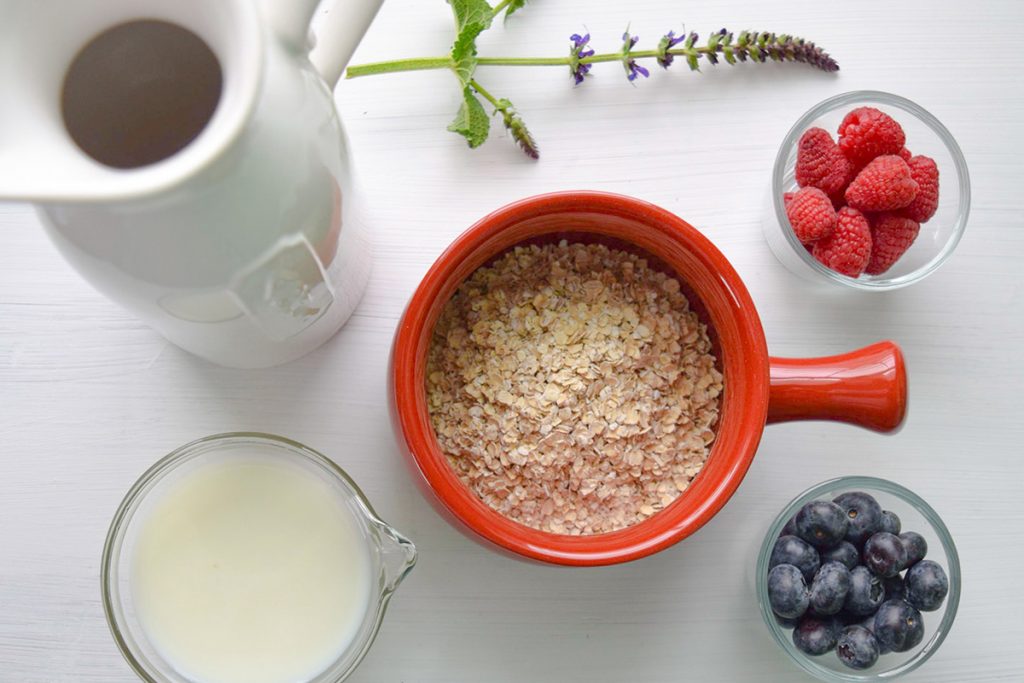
820,164
787,197
925,173
866,133
848,248
891,236
884,185
811,214
904,154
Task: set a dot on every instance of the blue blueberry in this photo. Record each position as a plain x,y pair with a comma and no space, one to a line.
786,623
829,588
790,528
885,554
869,624
895,589
890,522
848,618
857,647
898,625
864,515
815,636
845,553
821,523
797,552
787,591
927,586
915,546
866,592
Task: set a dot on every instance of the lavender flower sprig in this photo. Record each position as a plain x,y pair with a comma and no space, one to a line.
633,70
669,41
578,68
472,17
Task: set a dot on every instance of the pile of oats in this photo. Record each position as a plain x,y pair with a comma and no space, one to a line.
572,388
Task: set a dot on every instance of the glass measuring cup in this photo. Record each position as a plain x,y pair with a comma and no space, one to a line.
391,555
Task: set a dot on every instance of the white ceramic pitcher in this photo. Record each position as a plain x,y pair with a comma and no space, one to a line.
246,247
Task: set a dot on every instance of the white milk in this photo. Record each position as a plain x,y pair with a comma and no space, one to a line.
250,571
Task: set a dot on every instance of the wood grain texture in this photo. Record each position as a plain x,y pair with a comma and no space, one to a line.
89,397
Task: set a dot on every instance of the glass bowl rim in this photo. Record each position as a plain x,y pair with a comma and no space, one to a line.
938,526
959,162
140,489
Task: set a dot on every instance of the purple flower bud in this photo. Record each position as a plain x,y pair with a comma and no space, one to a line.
669,41
633,70
579,71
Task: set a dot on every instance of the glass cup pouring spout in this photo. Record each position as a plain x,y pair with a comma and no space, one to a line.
397,556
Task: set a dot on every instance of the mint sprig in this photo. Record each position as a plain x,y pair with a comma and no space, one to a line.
472,121
473,17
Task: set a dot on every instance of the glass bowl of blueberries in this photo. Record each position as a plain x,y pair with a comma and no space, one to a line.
858,580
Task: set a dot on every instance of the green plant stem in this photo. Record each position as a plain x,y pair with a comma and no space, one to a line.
424,63
417,64
566,61
486,95
500,7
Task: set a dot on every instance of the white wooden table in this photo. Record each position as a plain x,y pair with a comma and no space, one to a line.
89,397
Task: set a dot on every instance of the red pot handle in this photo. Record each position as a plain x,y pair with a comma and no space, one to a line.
866,387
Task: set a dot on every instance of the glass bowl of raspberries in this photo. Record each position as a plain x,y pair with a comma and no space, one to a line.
868,191
858,579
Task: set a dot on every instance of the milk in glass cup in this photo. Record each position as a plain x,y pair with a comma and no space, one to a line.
248,558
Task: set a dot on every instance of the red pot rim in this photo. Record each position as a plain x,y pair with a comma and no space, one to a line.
740,342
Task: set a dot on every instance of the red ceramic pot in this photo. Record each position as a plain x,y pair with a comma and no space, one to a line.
866,387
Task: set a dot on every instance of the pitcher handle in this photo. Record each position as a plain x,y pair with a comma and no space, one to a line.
337,29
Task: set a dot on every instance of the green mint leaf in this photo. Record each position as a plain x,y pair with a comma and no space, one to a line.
513,7
471,12
464,58
472,17
472,121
